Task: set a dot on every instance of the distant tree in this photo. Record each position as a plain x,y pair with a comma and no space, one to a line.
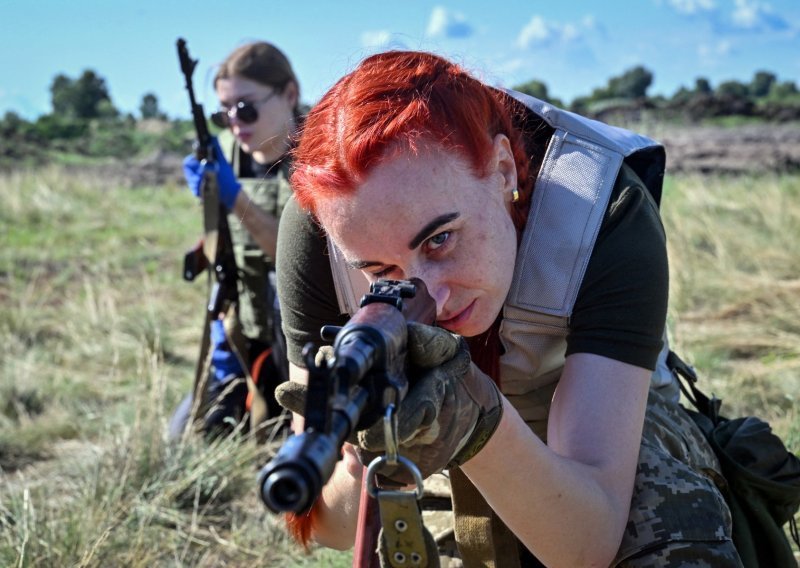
682,95
85,97
61,94
702,86
783,90
57,127
733,88
12,123
149,107
537,89
762,83
632,84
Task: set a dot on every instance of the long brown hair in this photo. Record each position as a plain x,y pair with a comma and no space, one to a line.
261,62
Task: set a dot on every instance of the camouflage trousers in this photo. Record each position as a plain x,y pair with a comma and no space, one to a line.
678,515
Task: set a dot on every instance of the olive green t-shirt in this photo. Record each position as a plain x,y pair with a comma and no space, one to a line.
619,313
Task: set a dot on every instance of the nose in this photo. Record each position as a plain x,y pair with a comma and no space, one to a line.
438,290
233,118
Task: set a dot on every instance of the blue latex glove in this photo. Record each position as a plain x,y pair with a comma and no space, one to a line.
229,186
224,360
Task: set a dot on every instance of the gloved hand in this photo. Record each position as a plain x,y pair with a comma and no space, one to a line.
229,186
450,412
224,361
291,395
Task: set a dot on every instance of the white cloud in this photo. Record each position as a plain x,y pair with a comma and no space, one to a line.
692,6
535,32
376,38
712,51
448,24
381,40
538,32
733,15
754,15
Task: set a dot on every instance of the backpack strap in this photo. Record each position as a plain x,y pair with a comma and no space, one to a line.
686,375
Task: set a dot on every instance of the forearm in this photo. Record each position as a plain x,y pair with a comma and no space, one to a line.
262,226
567,517
338,505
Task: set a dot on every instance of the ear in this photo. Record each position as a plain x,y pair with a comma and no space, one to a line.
292,93
503,163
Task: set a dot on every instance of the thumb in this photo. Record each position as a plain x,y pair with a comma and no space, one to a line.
430,346
292,396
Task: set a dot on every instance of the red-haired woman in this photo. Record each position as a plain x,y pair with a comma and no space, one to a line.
537,233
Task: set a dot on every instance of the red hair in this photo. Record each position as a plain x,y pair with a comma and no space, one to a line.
396,100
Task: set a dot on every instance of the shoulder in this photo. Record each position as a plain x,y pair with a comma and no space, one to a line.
299,229
305,281
621,306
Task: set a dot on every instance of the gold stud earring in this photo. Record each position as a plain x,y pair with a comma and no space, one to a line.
514,195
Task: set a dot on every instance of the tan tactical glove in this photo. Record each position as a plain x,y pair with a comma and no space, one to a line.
450,412
291,395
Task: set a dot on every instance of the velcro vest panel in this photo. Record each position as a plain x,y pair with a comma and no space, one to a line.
256,298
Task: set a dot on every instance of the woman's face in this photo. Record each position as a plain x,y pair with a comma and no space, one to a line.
268,137
428,216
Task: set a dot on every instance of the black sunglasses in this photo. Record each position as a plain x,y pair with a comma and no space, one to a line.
244,111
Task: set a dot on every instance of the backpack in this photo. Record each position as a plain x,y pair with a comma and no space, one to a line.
762,476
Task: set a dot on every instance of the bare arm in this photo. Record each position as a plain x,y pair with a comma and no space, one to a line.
262,226
338,505
583,478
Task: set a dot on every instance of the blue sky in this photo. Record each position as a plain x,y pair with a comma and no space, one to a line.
572,46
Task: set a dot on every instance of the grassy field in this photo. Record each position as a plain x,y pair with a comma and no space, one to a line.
100,333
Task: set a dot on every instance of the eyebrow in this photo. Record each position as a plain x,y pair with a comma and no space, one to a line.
362,264
240,99
426,231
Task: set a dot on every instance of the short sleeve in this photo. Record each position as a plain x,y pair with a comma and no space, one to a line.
621,308
305,284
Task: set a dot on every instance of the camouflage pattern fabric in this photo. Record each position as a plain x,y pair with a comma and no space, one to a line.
678,514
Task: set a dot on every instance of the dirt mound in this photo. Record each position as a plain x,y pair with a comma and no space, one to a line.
697,149
753,148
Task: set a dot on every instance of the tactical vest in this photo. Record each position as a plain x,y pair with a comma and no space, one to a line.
571,195
256,297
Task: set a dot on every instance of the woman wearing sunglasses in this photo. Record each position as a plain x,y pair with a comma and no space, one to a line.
259,110
544,388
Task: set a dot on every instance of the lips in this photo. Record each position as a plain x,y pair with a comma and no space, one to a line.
458,319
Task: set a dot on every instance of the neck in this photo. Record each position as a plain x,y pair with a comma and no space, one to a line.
272,150
262,156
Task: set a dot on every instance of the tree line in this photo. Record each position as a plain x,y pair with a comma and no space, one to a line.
625,96
85,122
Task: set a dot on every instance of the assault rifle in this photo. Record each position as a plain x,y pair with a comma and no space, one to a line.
348,392
216,247
364,381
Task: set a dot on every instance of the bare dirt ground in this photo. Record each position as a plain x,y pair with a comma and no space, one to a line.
761,148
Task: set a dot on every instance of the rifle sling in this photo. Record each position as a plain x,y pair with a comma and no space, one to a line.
483,539
404,540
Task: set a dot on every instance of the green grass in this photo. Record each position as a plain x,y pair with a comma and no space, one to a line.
99,335
735,267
